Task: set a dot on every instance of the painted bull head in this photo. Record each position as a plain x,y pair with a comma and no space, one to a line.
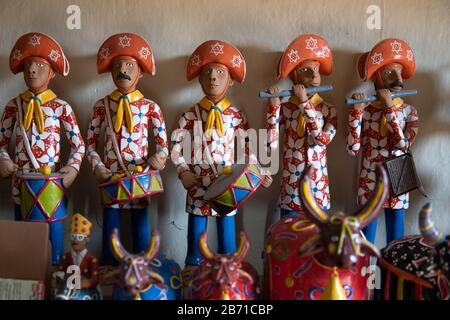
136,274
339,242
224,270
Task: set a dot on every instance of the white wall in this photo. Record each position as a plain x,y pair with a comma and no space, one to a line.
261,29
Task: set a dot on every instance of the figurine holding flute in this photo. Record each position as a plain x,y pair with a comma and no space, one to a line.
309,121
384,128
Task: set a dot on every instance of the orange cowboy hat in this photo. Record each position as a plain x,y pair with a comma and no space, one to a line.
306,47
217,51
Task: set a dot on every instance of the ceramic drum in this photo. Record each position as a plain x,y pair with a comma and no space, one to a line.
130,188
42,197
229,191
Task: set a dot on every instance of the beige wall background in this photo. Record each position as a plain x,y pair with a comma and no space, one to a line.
261,29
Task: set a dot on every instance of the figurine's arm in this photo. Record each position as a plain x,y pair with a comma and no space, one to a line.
182,132
94,272
403,139
354,131
275,119
64,264
7,124
159,131
96,124
77,148
321,136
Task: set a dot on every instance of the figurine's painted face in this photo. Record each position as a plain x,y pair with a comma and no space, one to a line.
307,73
125,73
37,73
78,244
390,77
215,80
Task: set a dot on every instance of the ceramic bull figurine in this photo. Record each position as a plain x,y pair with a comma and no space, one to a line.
319,254
145,276
417,267
224,276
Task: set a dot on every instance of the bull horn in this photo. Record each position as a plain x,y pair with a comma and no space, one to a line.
117,248
153,248
203,245
244,245
375,205
430,233
312,208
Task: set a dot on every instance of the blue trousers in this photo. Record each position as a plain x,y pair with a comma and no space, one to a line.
226,236
285,212
395,225
56,236
140,224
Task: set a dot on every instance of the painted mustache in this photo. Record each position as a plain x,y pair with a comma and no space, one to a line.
397,83
123,76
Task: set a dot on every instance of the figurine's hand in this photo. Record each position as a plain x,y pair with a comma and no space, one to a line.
102,174
7,168
385,97
274,101
157,162
85,283
359,106
70,174
267,181
300,92
189,179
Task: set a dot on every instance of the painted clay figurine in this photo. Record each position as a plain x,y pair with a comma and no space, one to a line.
127,173
385,128
38,115
309,122
214,121
80,230
320,254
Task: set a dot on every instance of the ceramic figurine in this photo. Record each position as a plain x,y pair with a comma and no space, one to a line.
127,174
80,230
385,128
224,276
416,267
320,254
309,121
148,275
212,124
37,116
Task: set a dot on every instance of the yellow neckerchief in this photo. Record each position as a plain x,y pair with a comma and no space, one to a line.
315,100
215,115
34,109
398,102
124,101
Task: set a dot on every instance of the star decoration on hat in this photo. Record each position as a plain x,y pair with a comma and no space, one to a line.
54,55
195,60
104,53
410,55
396,47
377,58
311,44
17,54
124,41
144,52
216,49
325,52
35,40
293,55
236,61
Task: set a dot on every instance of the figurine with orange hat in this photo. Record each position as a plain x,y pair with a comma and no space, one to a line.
80,230
127,116
38,115
309,121
384,128
214,121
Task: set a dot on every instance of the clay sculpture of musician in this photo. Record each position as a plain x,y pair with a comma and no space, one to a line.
385,128
38,115
127,174
309,122
212,124
79,256
320,254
